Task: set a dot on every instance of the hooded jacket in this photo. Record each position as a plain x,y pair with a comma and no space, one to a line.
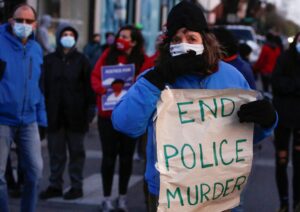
21,99
67,88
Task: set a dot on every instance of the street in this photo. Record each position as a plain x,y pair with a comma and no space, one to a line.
261,193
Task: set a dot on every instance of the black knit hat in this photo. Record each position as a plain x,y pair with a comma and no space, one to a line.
188,15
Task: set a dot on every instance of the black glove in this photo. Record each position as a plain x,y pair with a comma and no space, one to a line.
167,71
42,132
260,112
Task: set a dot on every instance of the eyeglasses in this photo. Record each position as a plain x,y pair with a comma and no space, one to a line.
22,20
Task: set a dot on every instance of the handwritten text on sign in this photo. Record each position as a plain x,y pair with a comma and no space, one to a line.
204,153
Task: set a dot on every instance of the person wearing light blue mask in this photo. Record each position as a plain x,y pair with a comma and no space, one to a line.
22,106
286,99
67,40
23,25
70,107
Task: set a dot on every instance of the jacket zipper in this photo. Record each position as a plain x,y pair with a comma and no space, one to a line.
30,68
25,85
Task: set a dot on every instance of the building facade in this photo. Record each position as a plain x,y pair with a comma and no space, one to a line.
101,16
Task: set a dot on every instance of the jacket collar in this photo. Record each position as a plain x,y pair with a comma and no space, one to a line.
231,58
60,53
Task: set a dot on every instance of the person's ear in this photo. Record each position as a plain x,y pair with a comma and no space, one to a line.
11,21
34,25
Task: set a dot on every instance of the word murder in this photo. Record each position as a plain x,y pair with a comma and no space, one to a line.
204,192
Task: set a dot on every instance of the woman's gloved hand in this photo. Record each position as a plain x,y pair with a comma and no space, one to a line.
169,70
260,112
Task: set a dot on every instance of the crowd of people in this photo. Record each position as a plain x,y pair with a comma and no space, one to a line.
59,90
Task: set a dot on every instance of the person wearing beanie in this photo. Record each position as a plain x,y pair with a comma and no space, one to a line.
189,59
230,54
70,105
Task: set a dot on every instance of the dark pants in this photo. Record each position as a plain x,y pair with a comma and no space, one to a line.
266,81
282,143
13,183
152,202
115,144
58,144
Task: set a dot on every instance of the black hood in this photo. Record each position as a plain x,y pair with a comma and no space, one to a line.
64,28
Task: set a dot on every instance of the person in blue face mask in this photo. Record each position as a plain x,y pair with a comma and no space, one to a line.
23,25
22,107
70,106
286,99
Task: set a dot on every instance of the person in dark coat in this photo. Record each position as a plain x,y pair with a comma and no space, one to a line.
68,101
231,56
286,99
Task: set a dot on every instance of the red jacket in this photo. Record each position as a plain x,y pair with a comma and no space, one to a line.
96,80
267,59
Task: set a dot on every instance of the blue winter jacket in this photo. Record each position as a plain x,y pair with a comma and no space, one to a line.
133,115
21,99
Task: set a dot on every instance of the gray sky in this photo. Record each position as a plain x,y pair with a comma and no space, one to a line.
289,8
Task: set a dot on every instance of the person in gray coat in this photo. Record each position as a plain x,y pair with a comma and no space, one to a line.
42,34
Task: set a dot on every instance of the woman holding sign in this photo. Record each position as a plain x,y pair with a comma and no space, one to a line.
128,48
189,59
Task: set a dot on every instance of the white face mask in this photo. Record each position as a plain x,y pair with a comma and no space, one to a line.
298,47
22,31
183,48
67,41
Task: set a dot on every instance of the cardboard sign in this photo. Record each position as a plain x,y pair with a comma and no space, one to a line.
204,153
120,75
